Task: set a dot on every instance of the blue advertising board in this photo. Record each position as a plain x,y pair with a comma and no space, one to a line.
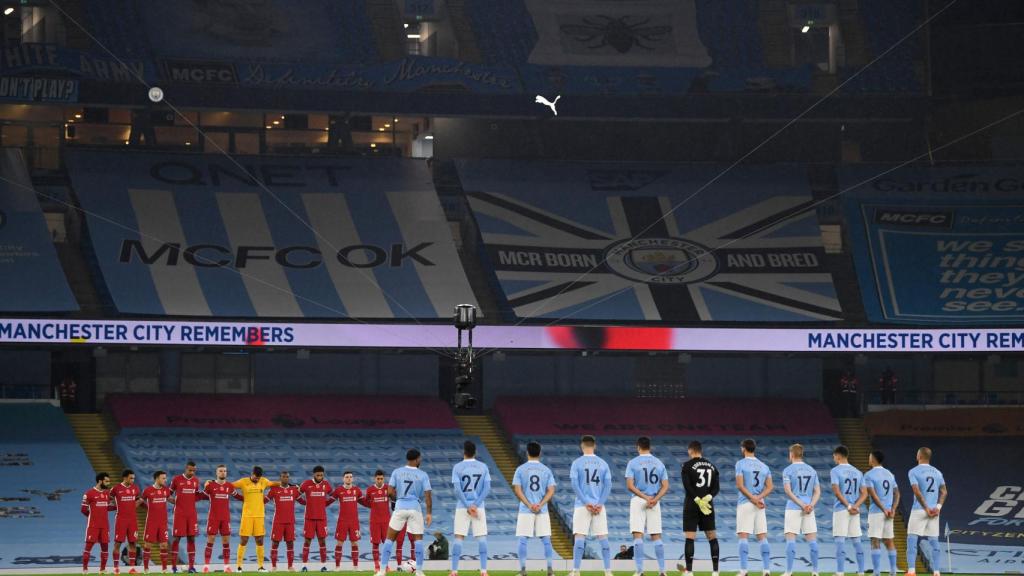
939,246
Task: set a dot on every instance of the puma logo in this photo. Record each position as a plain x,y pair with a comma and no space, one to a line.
549,103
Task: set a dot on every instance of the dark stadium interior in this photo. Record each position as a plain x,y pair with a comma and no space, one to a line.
296,232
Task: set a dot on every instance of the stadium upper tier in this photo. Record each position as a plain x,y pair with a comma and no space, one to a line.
196,235
241,53
44,473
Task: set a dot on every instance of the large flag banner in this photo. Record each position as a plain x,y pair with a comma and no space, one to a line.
617,33
271,30
939,246
32,277
634,242
202,235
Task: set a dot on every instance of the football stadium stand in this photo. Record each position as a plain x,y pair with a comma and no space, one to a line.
44,473
719,425
298,433
33,278
978,451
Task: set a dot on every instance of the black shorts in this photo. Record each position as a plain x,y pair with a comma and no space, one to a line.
694,520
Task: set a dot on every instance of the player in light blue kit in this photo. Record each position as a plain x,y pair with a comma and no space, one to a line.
409,487
647,480
472,482
803,491
534,485
754,482
929,495
848,488
883,498
592,483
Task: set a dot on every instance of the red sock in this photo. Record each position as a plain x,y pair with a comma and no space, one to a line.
273,553
337,554
398,547
145,557
291,553
208,553
305,553
103,557
323,552
174,551
163,558
190,547
85,555
376,557
131,554
115,554
227,553
355,554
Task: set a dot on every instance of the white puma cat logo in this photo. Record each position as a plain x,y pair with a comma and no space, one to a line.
549,104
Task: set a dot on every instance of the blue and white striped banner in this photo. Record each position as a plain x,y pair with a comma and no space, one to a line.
195,235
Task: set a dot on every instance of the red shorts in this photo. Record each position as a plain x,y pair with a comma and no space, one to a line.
378,532
285,532
216,526
347,531
314,529
99,534
155,533
186,524
126,530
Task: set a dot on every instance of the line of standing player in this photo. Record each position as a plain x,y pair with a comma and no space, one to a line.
183,492
534,486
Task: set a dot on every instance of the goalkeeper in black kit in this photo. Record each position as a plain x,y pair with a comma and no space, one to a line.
700,478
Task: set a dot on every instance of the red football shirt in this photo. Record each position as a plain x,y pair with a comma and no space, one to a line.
185,490
349,503
220,500
315,496
124,498
284,498
376,499
156,504
96,503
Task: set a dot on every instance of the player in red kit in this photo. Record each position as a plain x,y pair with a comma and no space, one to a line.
154,498
218,521
125,494
314,498
377,500
284,498
96,506
184,488
348,496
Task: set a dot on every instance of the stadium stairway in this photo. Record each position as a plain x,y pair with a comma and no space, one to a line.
95,432
854,436
497,443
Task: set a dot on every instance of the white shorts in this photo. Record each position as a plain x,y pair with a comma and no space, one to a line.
464,523
845,525
879,526
412,520
799,523
643,519
750,519
587,524
921,525
530,525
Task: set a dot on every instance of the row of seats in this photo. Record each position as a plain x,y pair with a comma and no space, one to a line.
44,472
